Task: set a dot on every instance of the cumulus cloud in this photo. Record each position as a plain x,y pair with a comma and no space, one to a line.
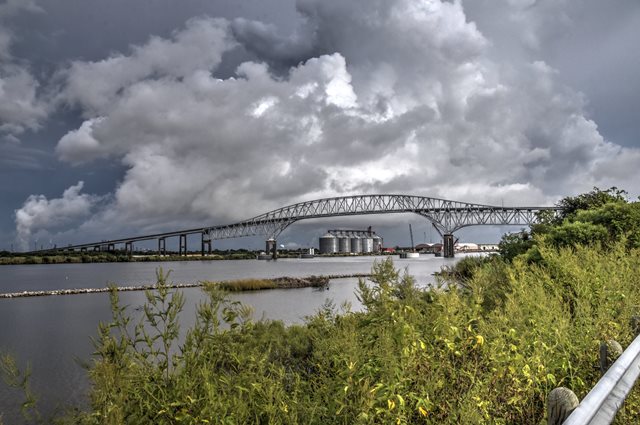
198,47
80,145
366,96
20,106
41,214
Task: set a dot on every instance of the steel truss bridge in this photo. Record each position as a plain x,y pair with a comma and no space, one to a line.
446,216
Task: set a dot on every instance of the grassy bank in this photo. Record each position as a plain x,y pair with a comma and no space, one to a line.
259,284
486,352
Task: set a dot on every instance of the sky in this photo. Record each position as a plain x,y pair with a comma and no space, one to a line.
129,117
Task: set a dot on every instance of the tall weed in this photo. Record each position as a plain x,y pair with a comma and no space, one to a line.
487,352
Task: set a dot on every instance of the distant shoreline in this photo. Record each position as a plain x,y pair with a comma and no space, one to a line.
108,257
97,257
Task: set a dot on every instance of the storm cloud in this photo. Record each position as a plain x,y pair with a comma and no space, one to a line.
20,106
361,97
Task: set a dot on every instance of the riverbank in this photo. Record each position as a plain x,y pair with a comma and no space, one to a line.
238,285
103,257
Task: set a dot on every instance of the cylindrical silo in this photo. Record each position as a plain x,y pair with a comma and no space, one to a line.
356,244
344,244
328,244
367,244
377,243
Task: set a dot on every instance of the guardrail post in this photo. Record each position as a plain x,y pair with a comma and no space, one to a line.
610,350
635,325
606,398
560,403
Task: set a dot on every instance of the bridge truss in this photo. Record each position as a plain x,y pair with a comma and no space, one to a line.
447,216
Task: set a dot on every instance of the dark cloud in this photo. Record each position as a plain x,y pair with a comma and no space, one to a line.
219,119
20,107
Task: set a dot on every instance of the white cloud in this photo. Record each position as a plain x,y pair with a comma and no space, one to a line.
20,106
385,96
97,85
80,145
41,214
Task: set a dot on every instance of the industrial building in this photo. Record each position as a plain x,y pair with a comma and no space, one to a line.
350,242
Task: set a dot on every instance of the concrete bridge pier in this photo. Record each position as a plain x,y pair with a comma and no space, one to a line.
272,248
128,248
183,245
162,246
96,248
447,245
111,247
206,243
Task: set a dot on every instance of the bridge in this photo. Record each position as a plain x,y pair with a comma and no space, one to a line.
445,215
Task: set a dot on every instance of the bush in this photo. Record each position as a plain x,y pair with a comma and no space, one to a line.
488,353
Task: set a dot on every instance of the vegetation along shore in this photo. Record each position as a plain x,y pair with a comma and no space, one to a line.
228,285
486,345
8,258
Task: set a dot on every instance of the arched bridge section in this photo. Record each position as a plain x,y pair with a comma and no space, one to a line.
447,216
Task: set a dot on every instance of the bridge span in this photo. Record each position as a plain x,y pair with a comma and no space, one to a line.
445,215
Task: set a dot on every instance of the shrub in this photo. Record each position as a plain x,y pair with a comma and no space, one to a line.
486,353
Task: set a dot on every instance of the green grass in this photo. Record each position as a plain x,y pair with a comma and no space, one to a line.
241,285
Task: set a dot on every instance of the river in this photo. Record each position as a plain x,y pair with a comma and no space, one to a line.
52,334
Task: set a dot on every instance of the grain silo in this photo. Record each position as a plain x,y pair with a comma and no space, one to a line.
367,244
356,244
328,244
344,244
377,243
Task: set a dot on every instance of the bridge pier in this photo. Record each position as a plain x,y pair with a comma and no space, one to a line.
206,242
447,245
272,248
183,245
162,246
111,247
128,248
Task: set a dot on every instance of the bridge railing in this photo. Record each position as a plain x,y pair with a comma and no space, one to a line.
604,400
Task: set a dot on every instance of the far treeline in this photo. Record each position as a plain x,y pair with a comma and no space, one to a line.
8,258
485,345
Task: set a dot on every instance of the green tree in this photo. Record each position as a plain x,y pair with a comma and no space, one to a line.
514,244
619,219
590,200
578,233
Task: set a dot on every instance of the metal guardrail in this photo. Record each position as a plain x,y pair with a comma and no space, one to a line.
604,400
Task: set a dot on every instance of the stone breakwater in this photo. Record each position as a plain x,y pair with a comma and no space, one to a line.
279,282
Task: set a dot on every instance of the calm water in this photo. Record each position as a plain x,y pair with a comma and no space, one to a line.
52,333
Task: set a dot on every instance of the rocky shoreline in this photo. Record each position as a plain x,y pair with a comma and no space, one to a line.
279,283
